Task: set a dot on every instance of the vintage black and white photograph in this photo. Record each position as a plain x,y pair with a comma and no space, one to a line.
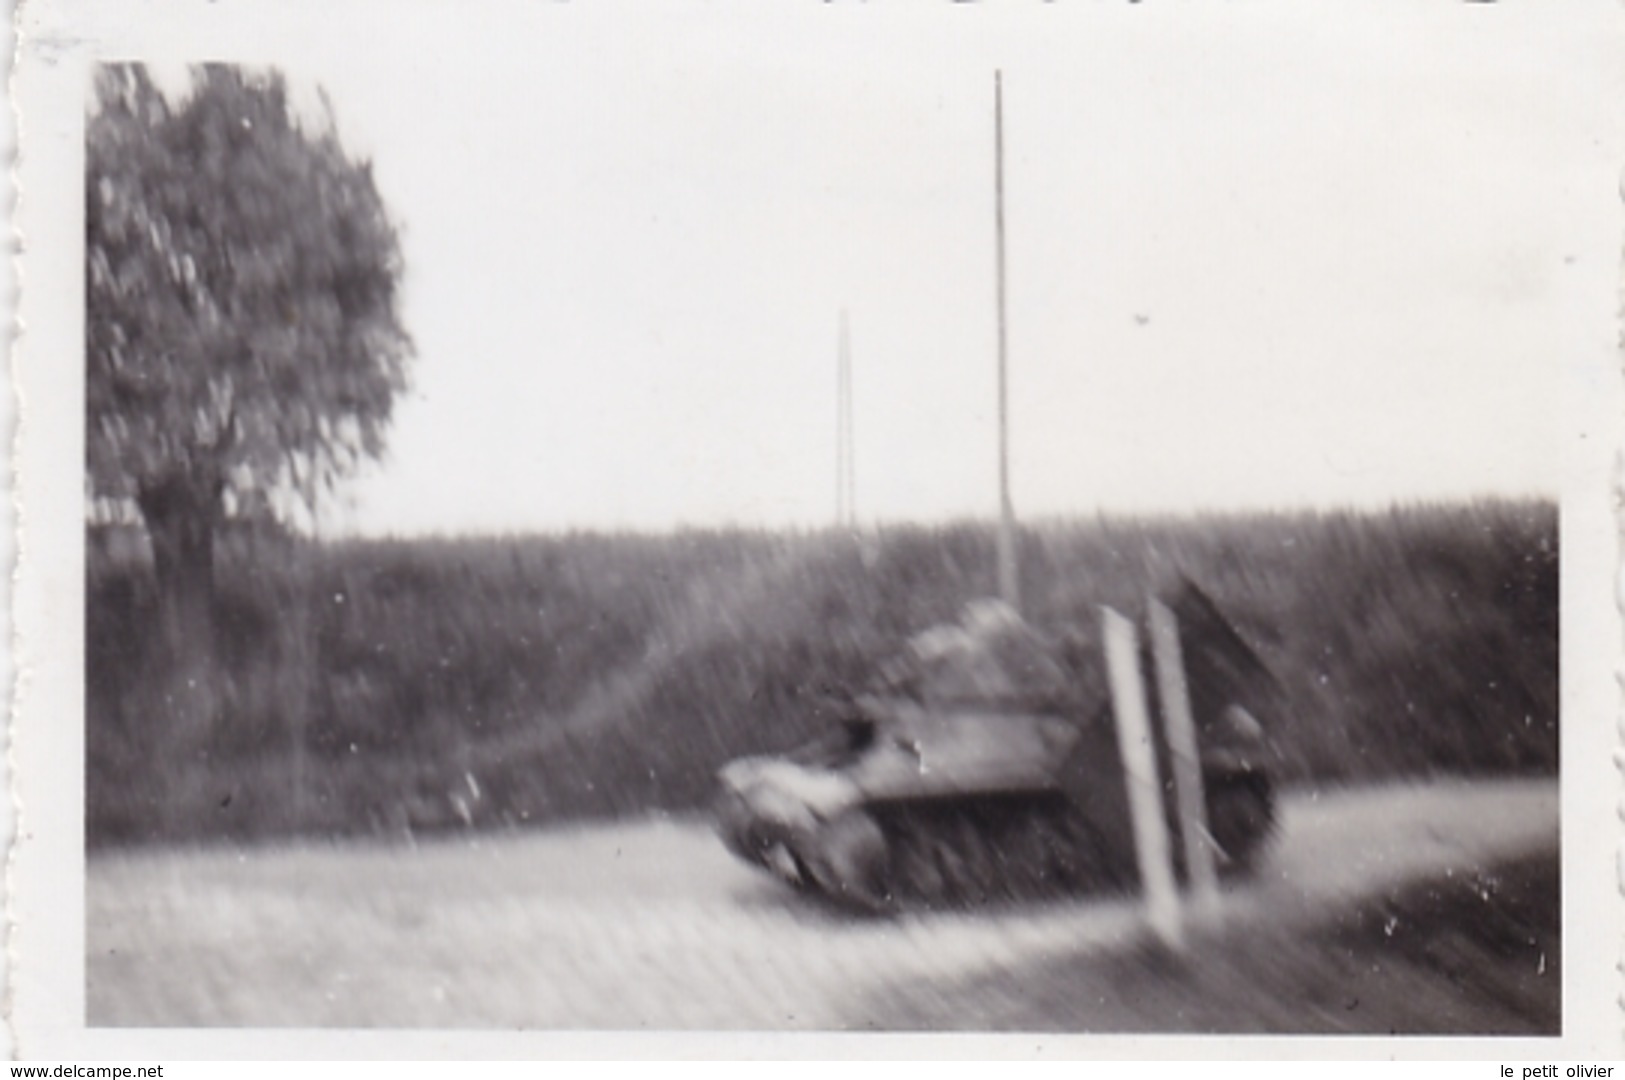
857,520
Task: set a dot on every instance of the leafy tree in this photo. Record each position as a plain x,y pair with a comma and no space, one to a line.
242,281
244,346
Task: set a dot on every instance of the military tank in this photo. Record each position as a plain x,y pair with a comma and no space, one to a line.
983,766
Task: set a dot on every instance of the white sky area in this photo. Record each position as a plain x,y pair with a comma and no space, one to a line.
1258,255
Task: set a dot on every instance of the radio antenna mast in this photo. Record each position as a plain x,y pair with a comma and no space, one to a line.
1009,580
846,508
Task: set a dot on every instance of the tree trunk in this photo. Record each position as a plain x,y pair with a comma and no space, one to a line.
181,514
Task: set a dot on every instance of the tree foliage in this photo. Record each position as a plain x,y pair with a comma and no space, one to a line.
242,281
243,342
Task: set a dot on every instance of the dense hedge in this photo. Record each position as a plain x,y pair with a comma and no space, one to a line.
390,686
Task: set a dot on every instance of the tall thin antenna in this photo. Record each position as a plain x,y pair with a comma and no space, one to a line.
1009,581
846,508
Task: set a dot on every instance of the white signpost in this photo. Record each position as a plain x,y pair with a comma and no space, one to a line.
1173,693
1139,755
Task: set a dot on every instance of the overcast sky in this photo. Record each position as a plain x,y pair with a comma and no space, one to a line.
1259,256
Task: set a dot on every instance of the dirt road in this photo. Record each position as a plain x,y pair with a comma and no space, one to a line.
653,925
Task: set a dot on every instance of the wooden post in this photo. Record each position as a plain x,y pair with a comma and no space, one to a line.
1180,726
304,678
1139,755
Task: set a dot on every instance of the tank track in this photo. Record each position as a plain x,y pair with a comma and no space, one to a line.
957,854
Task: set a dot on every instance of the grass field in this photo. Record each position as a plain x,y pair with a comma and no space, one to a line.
396,687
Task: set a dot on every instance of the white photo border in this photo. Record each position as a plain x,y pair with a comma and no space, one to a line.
59,42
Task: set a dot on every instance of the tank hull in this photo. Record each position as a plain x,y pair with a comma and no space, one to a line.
886,846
